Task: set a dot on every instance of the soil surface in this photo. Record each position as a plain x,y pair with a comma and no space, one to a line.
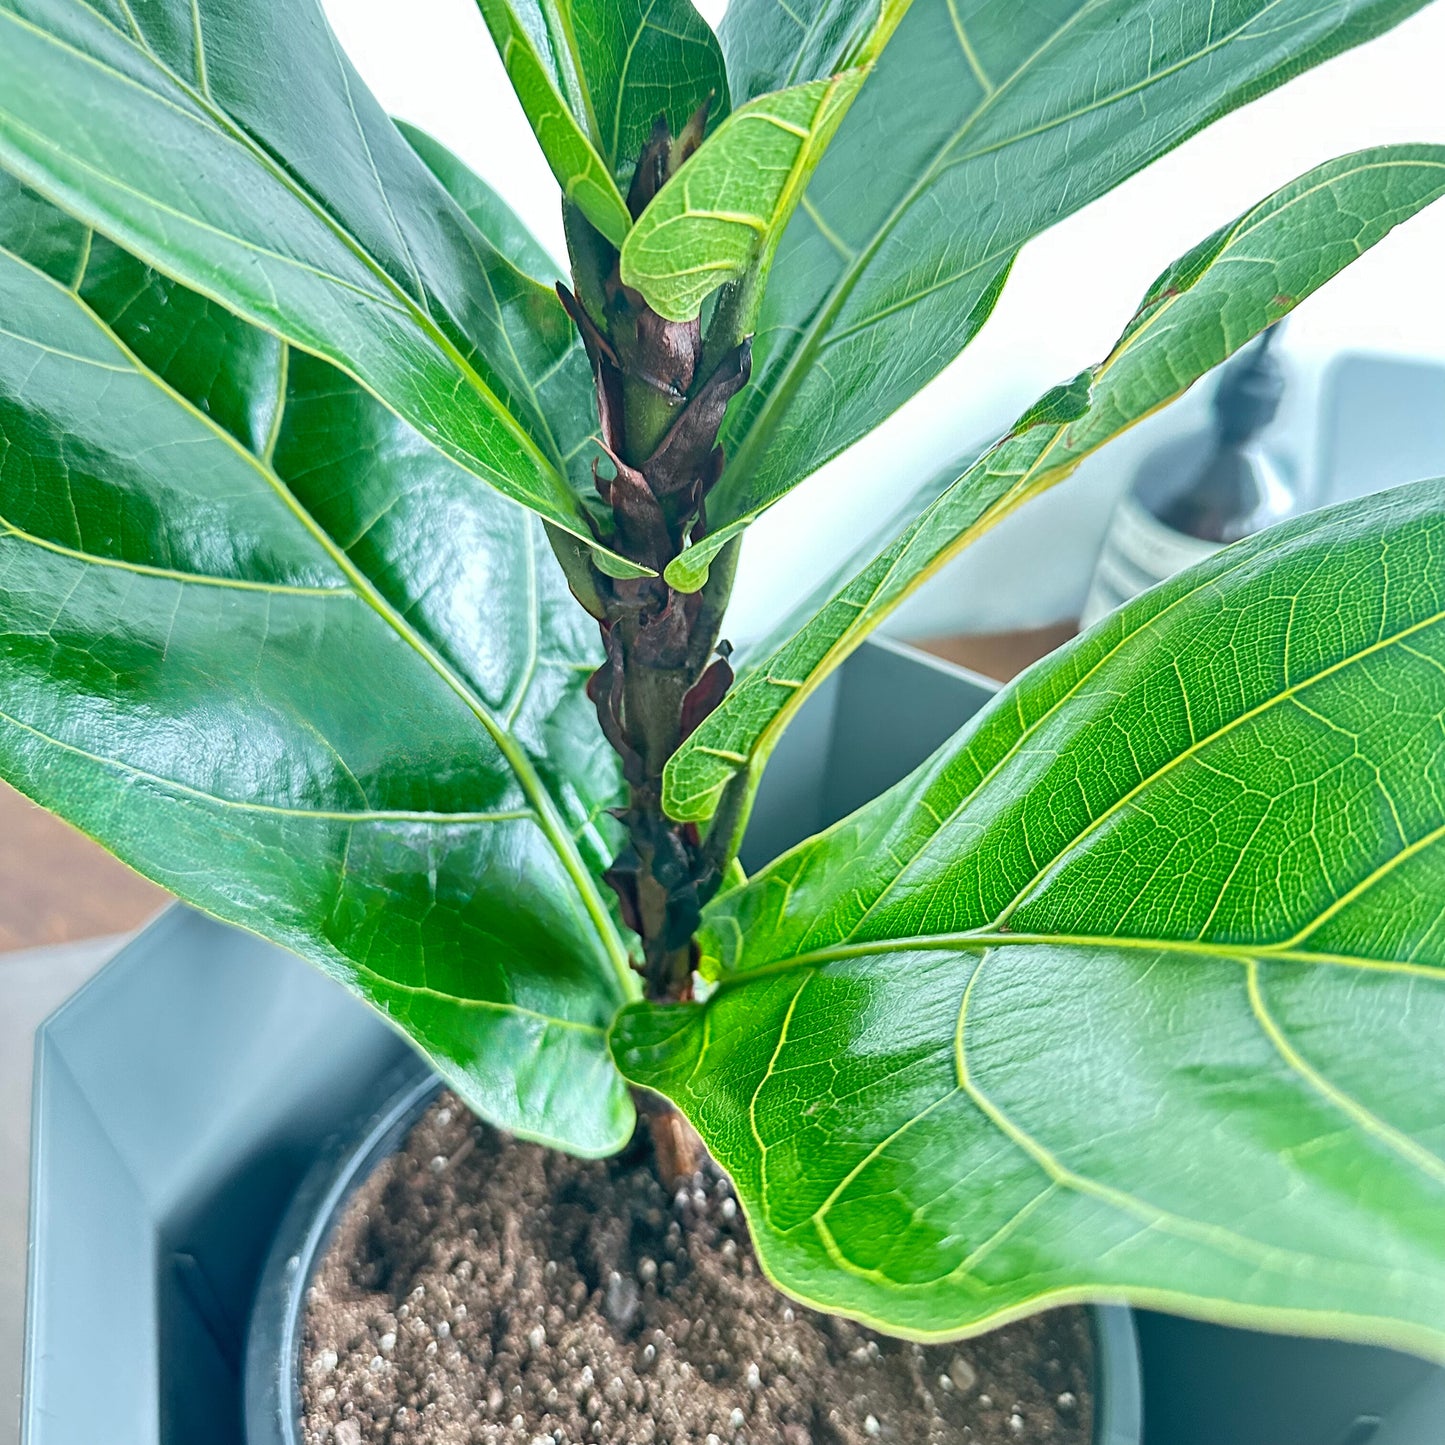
481,1291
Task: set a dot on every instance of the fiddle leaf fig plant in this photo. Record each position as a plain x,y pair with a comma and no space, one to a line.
363,582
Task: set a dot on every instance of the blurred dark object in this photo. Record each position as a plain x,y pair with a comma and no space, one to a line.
1201,491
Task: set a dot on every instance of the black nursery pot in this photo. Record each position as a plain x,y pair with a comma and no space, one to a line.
272,1383
273,1351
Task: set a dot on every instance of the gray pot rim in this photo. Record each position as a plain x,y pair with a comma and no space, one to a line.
272,1385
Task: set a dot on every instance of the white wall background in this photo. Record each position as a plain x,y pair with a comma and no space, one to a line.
432,63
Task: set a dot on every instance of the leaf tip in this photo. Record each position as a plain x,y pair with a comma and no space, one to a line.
1060,404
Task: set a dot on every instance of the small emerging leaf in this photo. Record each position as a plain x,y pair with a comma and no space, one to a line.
539,53
725,209
644,59
593,75
721,217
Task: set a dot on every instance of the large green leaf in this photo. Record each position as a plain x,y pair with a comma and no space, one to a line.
722,215
1201,310
983,124
229,144
1135,990
276,652
538,334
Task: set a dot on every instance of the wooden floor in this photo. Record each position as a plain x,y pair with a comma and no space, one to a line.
57,886
1000,655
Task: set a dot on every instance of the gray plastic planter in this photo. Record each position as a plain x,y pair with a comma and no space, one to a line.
183,1096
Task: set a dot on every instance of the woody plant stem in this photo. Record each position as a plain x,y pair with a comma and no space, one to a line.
662,389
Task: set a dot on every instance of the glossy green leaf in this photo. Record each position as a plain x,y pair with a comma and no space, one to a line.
276,652
231,146
983,125
722,215
1135,990
1201,310
540,334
